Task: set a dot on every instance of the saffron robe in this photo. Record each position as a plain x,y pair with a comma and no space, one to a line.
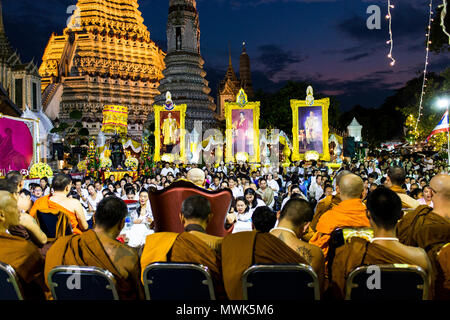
87,250
323,206
186,247
244,249
359,252
28,263
44,204
348,213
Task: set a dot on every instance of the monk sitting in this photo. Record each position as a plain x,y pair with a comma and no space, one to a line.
395,180
384,210
191,246
281,246
59,202
99,248
351,212
325,205
429,228
19,253
293,221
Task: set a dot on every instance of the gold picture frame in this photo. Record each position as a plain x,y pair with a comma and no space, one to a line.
169,156
310,103
242,103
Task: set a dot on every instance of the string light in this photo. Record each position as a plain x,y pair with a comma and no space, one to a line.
424,85
391,40
443,15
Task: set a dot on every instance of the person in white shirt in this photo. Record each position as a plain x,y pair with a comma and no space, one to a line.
242,216
271,183
93,199
83,193
253,201
237,190
315,190
142,219
165,171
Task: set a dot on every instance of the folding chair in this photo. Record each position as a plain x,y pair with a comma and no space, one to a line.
178,281
82,283
54,225
280,282
387,282
9,283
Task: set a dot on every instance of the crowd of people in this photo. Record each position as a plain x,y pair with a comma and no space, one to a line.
277,215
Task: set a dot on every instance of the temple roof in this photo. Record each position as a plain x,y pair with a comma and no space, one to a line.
6,50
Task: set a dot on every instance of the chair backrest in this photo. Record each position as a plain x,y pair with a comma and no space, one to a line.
343,235
166,207
387,282
280,282
9,283
82,283
178,281
54,225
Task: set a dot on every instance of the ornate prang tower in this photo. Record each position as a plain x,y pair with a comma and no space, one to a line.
245,73
184,76
104,57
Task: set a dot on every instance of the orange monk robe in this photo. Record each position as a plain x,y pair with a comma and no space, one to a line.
243,249
407,201
186,247
87,250
359,252
44,204
28,263
408,228
323,206
443,277
349,213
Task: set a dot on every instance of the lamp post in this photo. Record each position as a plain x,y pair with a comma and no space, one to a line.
444,103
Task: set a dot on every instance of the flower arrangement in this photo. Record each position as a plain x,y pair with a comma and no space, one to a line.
82,165
40,170
146,157
105,162
132,163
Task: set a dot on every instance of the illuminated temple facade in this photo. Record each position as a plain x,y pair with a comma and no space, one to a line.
184,75
104,57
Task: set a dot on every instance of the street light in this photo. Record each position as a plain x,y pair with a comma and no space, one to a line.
444,103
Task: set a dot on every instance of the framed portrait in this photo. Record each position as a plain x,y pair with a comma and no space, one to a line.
170,144
310,128
242,134
19,143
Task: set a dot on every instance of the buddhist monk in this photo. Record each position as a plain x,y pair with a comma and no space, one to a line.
19,253
59,202
192,246
325,205
197,176
429,228
395,180
351,212
281,246
293,221
99,248
443,275
384,210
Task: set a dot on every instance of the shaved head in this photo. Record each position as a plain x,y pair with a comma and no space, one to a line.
9,213
340,175
351,186
297,211
441,185
197,176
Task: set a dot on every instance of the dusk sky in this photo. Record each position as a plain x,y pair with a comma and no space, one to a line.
323,42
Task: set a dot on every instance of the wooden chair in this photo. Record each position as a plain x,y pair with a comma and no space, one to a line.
82,283
166,207
178,281
280,282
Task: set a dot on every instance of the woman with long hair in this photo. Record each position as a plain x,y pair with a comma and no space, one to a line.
243,220
252,197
